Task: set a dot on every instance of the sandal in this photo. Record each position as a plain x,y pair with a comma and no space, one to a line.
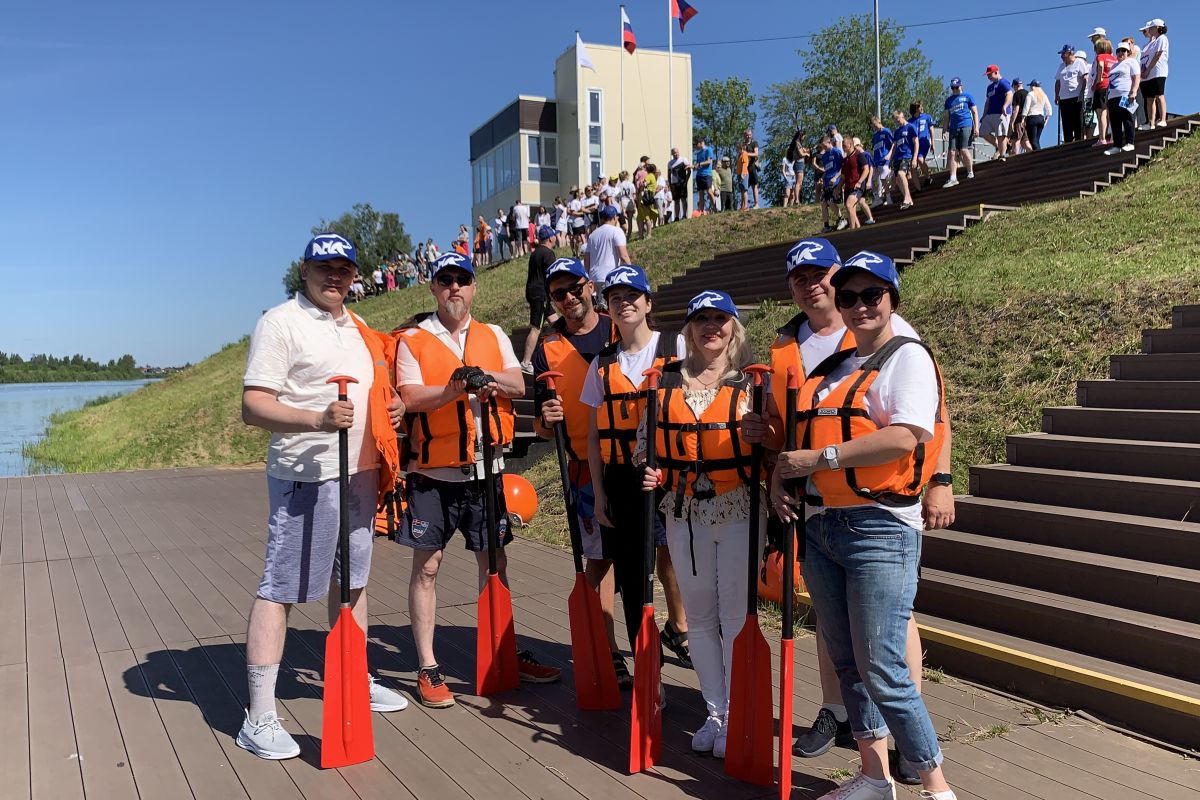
624,679
677,643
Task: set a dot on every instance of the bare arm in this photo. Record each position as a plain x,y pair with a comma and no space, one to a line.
261,408
623,254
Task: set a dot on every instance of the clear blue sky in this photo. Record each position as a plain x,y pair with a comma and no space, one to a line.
163,162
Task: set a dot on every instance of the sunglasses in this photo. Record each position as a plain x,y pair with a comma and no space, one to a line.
449,280
558,295
844,298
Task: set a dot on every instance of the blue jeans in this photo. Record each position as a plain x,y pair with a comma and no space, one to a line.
861,569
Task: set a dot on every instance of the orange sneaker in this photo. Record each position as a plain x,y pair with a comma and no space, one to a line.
533,672
432,689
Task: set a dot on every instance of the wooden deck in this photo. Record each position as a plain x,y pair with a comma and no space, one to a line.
123,601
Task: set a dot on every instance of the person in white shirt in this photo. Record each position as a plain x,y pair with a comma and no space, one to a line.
1154,73
1123,80
500,231
1070,87
678,171
520,245
607,248
295,349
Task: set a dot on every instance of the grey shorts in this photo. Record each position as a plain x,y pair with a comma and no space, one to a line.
994,125
303,532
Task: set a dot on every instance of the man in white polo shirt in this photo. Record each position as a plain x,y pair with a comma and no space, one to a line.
296,347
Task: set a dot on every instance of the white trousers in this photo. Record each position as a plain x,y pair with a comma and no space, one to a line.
714,597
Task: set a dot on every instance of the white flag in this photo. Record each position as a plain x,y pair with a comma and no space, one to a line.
581,55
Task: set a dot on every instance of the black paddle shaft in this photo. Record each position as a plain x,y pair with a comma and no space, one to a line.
486,409
565,477
649,499
756,457
344,504
789,530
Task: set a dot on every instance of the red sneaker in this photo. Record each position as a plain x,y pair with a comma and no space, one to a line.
533,672
432,690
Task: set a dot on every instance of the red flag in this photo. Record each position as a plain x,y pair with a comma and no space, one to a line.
681,11
628,40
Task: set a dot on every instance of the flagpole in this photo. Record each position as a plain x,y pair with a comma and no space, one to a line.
878,78
670,82
621,44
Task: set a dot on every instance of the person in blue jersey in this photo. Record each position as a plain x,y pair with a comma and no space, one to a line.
924,125
904,149
829,165
961,125
881,171
996,110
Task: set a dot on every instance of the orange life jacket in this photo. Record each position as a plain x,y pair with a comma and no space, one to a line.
383,356
785,352
561,356
689,446
618,417
842,416
445,437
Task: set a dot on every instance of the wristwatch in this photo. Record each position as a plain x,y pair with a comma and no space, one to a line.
830,454
941,479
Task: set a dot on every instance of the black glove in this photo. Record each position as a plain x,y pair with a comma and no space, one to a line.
474,377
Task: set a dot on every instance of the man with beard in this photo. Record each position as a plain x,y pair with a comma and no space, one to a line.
579,333
445,452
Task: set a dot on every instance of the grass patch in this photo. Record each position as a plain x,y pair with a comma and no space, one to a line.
840,774
1040,716
933,675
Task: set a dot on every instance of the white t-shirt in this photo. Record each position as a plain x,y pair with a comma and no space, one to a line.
1159,45
1120,80
1071,78
905,391
377,276
295,348
608,192
521,213
632,365
543,219
561,226
590,206
408,373
625,191
576,205
500,225
672,164
814,349
602,251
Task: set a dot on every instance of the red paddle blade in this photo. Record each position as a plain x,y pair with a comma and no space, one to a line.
785,719
749,752
495,641
346,736
645,730
595,678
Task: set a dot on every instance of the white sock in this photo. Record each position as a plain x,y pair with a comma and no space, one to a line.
839,712
261,680
878,783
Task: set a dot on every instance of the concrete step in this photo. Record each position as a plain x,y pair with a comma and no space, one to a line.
1155,367
1180,395
1172,592
1171,340
1123,423
1185,317
1151,539
1121,494
1124,456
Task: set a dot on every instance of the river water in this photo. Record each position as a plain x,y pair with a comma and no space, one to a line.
25,410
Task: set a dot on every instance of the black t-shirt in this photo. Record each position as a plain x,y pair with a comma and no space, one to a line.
751,146
1019,101
535,282
588,344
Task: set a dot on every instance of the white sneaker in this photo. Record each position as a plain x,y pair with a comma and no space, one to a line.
1127,148
705,739
970,175
858,788
1145,127
527,367
385,699
841,226
950,183
1162,124
722,739
266,738
946,795
1112,151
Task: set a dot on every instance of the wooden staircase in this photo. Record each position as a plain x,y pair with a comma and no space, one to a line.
1072,573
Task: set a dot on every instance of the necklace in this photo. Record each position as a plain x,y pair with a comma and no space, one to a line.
708,384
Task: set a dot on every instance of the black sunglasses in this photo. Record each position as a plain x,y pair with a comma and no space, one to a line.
844,298
447,279
558,295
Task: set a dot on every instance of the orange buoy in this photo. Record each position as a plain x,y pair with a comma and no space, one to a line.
520,499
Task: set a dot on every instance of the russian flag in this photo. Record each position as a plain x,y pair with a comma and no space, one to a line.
681,11
628,40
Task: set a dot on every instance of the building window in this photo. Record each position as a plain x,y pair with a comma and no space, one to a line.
595,123
499,169
543,158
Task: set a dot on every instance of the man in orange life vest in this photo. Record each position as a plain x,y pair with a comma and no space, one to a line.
445,465
810,337
296,347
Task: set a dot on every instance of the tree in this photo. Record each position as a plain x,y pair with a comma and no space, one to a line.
838,88
723,110
377,236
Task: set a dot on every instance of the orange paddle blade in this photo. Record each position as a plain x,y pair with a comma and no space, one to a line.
645,730
749,752
346,736
495,641
785,718
595,678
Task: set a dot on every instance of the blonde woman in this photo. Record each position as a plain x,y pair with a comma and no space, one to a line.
703,447
1038,110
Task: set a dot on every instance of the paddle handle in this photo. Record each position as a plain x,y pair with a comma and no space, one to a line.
489,489
563,475
756,458
789,531
648,503
343,493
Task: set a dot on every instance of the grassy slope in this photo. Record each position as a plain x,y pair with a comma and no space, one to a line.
194,418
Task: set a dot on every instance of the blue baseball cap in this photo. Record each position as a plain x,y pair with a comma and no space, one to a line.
545,232
628,275
872,263
328,246
815,252
565,266
956,83
720,301
608,212
1066,48
452,260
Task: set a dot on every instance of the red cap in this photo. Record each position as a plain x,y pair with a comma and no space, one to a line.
991,68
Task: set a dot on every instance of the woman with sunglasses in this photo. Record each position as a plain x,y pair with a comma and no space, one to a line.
870,419
703,447
615,388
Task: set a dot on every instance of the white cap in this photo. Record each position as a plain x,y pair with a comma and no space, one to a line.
1154,23
1081,54
1098,32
